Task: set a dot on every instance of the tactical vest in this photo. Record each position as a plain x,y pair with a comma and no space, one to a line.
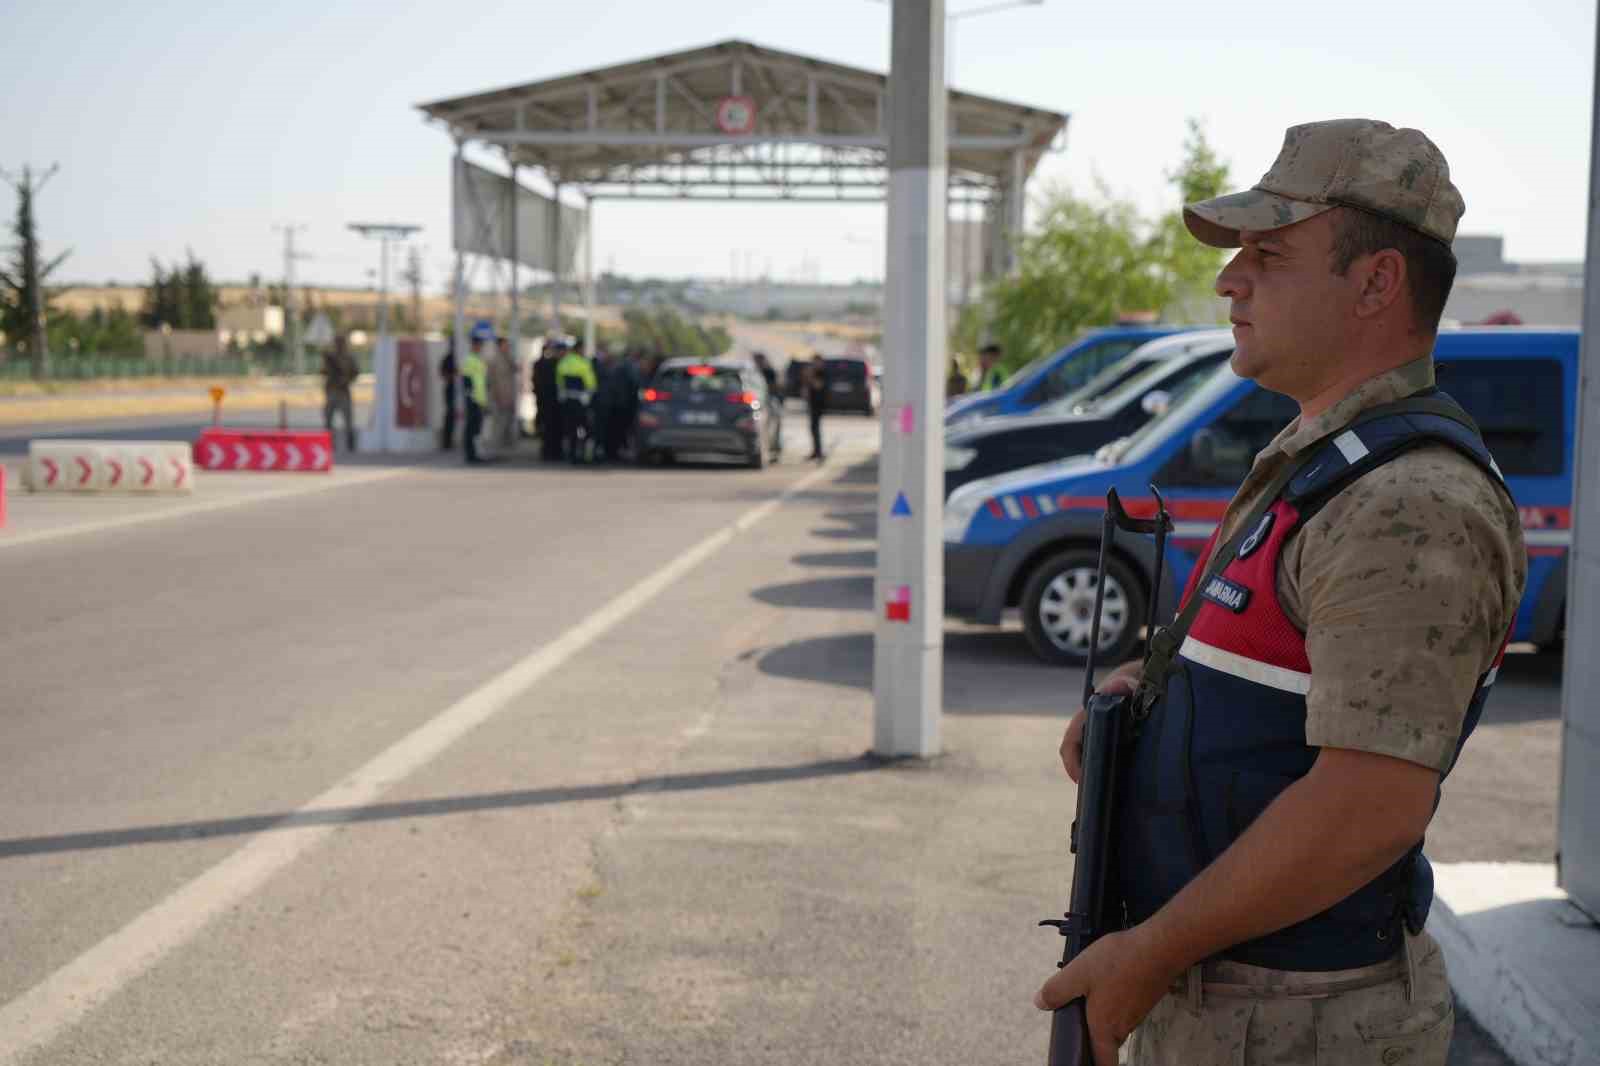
1227,734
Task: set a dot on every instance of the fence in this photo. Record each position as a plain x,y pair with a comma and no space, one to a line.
90,368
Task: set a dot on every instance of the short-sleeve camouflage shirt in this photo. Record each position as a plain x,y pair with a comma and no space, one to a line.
1405,584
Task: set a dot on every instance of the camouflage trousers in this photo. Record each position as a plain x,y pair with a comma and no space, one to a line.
1396,1013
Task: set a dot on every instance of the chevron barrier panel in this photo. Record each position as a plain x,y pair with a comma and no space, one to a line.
280,450
137,466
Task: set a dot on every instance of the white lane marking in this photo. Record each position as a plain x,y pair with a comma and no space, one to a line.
204,507
1350,445
40,1014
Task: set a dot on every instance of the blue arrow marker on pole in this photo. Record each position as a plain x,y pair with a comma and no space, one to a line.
902,507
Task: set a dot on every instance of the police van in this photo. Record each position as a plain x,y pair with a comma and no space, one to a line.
1052,376
1029,539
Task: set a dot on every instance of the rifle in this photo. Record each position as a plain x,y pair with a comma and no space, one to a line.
1095,905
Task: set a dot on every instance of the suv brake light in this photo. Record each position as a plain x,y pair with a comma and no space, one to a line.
749,399
655,396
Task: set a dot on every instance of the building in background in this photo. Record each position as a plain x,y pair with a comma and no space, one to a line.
1490,289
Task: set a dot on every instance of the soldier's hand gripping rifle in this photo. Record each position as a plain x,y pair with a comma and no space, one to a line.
1095,904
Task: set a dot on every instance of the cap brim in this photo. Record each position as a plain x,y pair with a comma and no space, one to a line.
1217,222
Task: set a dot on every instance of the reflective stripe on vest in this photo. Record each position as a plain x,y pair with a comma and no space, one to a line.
1228,736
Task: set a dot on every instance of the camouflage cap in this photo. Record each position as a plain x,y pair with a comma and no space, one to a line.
1355,162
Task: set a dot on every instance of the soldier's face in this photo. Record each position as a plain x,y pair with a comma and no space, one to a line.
1291,314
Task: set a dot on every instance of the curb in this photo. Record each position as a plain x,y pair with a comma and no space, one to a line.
1522,959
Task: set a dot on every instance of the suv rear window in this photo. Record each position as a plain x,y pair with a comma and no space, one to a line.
851,370
698,379
1518,405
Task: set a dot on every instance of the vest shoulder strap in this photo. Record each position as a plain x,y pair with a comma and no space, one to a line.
1367,442
1380,435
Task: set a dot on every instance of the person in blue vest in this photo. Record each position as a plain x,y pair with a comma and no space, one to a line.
1333,652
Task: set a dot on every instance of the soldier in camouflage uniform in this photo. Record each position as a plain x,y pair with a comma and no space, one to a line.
1402,587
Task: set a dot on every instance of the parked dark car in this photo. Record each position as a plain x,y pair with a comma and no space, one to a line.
709,407
852,385
1116,402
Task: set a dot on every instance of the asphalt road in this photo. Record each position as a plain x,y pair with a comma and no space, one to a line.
14,438
531,764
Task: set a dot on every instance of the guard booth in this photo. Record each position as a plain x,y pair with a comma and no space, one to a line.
731,121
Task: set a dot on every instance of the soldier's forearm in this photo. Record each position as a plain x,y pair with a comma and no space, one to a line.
1347,821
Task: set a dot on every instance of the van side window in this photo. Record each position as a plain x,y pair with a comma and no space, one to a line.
1518,405
1221,453
1073,373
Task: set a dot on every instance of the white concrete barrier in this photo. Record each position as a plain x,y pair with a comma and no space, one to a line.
138,466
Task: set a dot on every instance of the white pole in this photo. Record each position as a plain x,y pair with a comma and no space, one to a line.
555,258
515,332
382,362
459,327
907,680
588,277
1578,870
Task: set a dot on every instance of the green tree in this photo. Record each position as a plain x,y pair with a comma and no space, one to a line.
1090,260
24,301
182,297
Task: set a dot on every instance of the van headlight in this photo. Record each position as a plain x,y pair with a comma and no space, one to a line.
958,458
959,511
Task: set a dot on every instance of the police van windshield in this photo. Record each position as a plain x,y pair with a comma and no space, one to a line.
1188,399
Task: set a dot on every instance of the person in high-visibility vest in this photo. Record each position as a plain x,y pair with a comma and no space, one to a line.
475,381
575,388
990,376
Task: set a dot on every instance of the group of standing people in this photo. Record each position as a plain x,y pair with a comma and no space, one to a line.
587,409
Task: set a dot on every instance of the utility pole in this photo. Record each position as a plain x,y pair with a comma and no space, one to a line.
383,361
291,314
29,289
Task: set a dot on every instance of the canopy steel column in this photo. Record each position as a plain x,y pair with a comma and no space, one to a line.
588,277
459,326
555,257
515,332
908,660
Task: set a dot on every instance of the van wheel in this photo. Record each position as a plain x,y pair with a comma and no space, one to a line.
1058,609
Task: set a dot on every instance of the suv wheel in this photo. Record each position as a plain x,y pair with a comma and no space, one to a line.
1058,609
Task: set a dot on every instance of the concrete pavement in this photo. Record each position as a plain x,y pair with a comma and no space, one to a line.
670,848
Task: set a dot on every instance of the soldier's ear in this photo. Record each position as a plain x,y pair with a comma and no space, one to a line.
1383,281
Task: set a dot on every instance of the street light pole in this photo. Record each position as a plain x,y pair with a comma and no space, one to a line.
382,354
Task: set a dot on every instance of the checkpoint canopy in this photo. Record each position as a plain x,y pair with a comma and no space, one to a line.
729,121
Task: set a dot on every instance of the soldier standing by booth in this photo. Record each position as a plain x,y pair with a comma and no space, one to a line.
339,373
1335,648
448,374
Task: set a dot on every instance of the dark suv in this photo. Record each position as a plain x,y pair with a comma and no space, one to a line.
852,385
717,407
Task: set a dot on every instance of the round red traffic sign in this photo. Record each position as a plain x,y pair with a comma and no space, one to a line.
736,114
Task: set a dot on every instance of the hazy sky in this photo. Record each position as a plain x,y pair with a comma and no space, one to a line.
187,124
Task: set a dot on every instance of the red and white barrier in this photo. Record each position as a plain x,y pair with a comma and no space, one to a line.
304,450
138,466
